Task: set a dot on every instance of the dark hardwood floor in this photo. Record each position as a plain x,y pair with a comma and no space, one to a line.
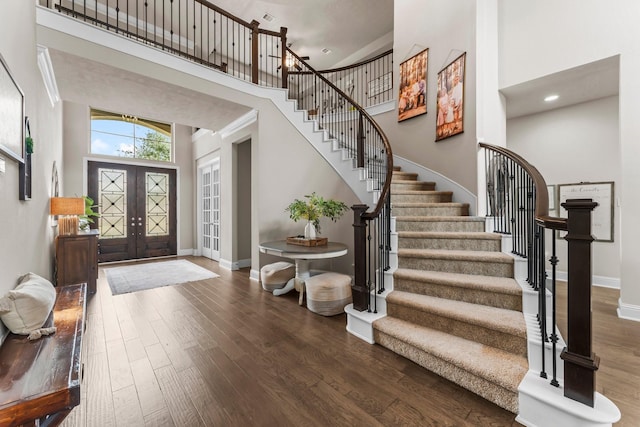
222,352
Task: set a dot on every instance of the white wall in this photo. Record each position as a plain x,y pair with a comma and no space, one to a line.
284,166
564,144
447,28
27,237
289,168
535,42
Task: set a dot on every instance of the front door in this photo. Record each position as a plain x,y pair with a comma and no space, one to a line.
137,207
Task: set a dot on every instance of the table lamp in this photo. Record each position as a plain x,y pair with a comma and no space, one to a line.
68,209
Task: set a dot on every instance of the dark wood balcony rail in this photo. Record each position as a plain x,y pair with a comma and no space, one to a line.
518,202
194,29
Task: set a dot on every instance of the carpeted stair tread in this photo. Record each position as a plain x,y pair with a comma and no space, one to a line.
440,218
399,175
402,195
421,192
496,319
498,257
411,181
428,205
497,366
460,240
492,284
469,235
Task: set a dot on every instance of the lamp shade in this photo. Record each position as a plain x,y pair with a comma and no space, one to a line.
67,206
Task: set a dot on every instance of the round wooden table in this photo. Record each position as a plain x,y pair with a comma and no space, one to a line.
303,255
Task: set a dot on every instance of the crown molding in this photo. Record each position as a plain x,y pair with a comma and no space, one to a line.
48,76
239,123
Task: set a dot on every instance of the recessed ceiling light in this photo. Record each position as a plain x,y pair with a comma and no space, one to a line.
267,17
551,98
326,51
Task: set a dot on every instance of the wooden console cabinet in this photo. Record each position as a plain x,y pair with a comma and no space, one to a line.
77,259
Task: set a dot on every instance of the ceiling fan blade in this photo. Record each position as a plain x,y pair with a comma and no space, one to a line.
304,58
298,67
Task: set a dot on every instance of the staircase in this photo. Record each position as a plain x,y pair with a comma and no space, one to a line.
455,307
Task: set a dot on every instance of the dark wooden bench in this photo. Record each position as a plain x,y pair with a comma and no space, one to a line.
40,380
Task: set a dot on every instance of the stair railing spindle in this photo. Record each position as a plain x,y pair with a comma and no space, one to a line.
542,318
554,337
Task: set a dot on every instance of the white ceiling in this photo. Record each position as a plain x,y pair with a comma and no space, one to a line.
91,83
594,80
342,26
345,27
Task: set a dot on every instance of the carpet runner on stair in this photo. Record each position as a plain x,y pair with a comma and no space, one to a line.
455,308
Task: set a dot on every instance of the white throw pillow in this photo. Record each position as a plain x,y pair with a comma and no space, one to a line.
25,309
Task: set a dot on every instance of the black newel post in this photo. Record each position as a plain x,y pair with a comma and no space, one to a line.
283,55
359,288
580,363
255,47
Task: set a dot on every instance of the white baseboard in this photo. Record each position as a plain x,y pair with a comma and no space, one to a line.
542,405
186,252
628,311
360,323
602,281
235,265
381,108
254,275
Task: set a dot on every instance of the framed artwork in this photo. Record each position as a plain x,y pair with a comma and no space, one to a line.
450,99
602,215
11,115
412,96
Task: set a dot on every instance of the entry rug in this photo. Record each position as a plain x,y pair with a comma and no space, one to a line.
133,278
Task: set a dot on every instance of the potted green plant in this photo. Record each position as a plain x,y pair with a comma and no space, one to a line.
314,208
28,144
87,218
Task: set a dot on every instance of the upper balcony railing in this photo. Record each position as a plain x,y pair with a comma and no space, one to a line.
194,29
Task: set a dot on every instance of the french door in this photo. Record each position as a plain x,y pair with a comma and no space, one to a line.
137,207
210,210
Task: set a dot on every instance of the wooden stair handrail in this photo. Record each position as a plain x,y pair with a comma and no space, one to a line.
363,113
542,200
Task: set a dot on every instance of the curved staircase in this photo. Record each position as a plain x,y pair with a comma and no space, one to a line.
455,307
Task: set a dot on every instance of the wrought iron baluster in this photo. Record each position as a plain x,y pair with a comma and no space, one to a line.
554,336
369,264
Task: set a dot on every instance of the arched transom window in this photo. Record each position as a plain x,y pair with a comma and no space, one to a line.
125,135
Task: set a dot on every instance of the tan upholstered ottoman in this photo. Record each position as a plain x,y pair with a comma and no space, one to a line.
328,293
276,275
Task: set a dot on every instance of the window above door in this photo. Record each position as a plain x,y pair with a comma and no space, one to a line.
122,135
